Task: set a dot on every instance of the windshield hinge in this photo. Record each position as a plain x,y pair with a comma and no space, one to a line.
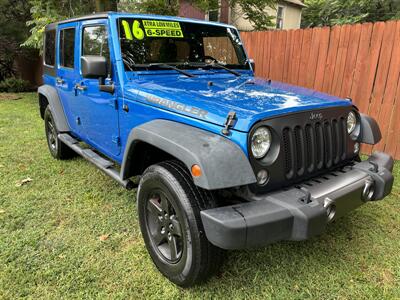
229,123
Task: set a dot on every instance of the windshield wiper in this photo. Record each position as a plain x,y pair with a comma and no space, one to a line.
165,66
218,65
214,64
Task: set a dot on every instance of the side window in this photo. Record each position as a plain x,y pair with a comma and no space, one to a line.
50,47
95,41
279,17
213,15
67,47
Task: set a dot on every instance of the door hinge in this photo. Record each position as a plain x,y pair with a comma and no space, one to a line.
114,103
116,140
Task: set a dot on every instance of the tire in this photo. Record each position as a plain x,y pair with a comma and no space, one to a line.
57,148
182,252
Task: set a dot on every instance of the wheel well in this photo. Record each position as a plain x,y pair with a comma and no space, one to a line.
142,155
43,102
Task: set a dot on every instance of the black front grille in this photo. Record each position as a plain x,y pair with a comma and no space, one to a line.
304,148
314,146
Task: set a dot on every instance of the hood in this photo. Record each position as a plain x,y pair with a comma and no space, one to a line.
212,98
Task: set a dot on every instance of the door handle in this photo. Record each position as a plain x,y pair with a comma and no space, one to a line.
59,80
80,87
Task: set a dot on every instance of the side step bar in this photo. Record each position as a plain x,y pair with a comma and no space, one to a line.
103,164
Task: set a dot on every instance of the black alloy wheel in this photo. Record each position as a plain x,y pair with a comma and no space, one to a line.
169,206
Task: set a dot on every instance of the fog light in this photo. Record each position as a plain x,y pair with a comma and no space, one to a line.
262,177
356,148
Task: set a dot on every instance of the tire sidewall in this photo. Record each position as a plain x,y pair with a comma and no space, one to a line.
158,177
47,117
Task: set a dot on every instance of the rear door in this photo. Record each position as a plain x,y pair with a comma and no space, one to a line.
67,73
99,110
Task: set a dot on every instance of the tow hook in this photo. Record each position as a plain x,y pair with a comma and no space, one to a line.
330,207
368,191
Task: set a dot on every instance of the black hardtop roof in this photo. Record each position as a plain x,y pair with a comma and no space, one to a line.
102,15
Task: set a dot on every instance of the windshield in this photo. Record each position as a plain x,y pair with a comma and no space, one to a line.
147,42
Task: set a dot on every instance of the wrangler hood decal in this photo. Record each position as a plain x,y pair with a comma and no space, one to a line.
252,100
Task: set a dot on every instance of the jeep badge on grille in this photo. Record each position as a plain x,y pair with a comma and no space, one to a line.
316,116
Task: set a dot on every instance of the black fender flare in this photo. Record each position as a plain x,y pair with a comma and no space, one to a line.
370,132
223,163
56,107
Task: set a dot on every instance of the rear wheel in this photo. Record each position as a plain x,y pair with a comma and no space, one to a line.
169,206
57,148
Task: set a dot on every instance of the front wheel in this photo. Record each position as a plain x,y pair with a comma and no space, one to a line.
169,207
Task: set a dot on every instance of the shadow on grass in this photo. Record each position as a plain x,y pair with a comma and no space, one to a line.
289,264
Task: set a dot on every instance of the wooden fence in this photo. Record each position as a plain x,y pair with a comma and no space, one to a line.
360,61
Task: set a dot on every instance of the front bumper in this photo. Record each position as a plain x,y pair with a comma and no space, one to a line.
302,211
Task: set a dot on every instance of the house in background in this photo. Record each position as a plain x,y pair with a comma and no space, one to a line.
187,10
287,14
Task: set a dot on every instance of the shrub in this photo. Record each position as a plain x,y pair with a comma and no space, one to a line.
15,85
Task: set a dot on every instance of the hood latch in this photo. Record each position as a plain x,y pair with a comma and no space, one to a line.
229,123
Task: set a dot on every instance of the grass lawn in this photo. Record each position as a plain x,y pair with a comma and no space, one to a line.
72,232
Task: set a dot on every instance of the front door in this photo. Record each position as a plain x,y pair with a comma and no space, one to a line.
98,109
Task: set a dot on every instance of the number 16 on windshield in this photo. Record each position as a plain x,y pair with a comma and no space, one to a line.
138,32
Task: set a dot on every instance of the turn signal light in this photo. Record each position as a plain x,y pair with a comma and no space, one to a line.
196,171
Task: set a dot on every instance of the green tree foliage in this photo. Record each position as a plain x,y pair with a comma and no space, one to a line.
47,11
339,12
13,16
162,7
44,12
158,7
255,12
106,5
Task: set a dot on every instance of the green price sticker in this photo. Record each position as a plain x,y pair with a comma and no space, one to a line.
127,30
138,32
152,28
159,28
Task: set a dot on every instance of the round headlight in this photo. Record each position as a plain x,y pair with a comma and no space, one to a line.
351,122
261,142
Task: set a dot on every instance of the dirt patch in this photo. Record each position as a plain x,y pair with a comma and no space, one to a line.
387,277
9,96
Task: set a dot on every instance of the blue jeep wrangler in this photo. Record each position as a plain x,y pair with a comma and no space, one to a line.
224,160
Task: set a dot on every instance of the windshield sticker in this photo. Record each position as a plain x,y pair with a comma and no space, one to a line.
127,30
157,28
138,32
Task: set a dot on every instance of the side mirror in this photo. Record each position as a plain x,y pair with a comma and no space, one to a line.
94,66
252,64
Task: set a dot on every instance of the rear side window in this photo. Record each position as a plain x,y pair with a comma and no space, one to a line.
95,41
67,47
49,47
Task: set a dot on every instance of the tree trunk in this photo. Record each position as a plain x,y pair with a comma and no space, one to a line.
106,5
